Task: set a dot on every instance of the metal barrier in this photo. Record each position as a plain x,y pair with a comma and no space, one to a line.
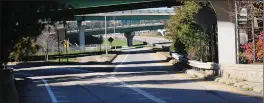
208,69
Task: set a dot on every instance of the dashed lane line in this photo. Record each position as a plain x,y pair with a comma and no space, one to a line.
151,97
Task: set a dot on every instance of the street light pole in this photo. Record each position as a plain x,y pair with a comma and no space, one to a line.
263,43
114,24
106,52
114,28
58,40
237,34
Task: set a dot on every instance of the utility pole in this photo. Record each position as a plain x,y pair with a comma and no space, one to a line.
106,52
67,47
253,31
253,39
58,38
114,29
114,24
47,58
237,34
263,44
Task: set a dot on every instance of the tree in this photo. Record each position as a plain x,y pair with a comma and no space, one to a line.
247,51
25,19
183,29
254,10
25,47
188,27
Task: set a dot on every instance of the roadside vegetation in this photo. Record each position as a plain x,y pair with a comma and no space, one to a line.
252,50
246,54
27,49
188,37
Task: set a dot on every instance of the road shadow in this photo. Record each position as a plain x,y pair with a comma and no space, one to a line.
65,70
64,56
120,93
189,95
162,43
40,64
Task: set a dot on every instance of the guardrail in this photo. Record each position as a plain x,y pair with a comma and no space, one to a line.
202,65
194,63
200,69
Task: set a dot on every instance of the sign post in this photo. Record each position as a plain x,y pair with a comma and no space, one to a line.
111,40
66,46
106,52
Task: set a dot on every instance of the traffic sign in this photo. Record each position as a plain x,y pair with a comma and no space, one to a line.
66,44
110,39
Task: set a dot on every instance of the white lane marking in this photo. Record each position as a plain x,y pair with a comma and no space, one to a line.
134,88
161,56
116,68
52,96
141,91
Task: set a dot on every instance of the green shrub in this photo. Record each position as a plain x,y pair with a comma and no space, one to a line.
25,47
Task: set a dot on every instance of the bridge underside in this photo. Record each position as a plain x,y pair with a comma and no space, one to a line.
221,8
125,17
118,30
78,7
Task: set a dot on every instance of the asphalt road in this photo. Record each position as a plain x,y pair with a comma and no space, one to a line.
153,40
137,76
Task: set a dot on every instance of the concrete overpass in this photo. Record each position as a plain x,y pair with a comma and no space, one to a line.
139,14
79,7
217,19
127,30
119,29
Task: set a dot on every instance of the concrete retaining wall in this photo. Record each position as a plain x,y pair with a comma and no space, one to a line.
245,72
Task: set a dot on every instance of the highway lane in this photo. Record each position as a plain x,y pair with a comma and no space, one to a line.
150,40
137,76
148,72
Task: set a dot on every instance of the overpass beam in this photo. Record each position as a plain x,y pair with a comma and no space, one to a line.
129,36
81,35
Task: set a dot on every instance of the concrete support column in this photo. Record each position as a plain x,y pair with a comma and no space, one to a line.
129,36
81,35
227,38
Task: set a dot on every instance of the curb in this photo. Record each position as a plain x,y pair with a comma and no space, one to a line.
110,61
167,58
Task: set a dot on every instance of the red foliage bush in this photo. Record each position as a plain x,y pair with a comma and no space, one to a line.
248,49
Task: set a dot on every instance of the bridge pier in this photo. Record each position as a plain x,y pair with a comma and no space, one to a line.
81,35
129,36
227,38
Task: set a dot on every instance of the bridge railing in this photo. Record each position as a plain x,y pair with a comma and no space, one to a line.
142,11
